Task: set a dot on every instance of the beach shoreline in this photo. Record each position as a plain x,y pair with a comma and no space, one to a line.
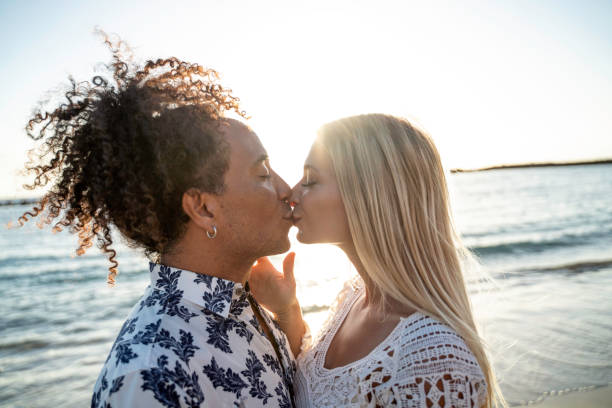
600,397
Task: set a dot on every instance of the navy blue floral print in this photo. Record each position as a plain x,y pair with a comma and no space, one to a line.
167,294
117,383
225,379
281,392
238,305
219,332
253,373
194,341
163,383
123,347
182,348
205,279
220,297
255,323
128,327
272,362
124,353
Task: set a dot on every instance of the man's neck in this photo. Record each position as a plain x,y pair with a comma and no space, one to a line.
208,260
211,266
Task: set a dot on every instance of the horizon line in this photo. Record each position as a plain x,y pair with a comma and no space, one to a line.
4,201
534,164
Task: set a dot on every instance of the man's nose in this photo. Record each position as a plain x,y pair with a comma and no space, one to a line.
282,188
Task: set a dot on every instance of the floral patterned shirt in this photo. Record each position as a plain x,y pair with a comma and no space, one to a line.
193,341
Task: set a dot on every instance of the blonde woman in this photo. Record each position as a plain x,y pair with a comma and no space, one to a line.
402,332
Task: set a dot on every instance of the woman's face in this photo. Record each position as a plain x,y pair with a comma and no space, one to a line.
319,212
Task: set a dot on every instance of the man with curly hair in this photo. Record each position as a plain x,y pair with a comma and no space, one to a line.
151,153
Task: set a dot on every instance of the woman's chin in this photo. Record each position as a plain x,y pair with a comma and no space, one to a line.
302,238
305,239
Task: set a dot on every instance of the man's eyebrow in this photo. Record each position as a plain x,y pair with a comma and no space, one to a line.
262,157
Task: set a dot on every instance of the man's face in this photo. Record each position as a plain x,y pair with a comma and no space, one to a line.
255,213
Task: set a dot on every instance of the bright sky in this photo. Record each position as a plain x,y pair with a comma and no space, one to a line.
494,81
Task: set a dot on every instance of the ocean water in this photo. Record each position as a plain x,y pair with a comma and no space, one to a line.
543,234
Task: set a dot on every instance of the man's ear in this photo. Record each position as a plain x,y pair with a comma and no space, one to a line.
200,207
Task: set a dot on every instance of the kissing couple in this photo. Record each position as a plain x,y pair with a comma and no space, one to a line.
150,152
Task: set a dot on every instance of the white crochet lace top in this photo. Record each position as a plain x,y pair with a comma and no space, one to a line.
422,363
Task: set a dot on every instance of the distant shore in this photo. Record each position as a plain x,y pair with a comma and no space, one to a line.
19,201
527,165
24,201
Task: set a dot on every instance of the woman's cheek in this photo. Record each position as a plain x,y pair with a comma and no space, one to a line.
305,198
313,202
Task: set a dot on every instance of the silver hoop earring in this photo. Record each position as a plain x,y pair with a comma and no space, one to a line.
214,233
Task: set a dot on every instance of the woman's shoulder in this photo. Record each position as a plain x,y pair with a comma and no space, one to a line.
350,288
353,284
422,328
429,344
430,363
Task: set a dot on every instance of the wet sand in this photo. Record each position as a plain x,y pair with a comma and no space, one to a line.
597,398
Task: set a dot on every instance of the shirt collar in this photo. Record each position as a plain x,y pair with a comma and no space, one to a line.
217,295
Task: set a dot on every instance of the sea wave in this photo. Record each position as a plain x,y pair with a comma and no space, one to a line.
24,259
531,245
23,345
573,268
314,308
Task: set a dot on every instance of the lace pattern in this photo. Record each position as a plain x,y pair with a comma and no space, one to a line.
422,363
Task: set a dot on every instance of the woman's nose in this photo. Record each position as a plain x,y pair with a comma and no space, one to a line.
296,193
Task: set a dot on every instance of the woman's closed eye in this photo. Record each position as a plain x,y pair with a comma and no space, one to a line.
308,180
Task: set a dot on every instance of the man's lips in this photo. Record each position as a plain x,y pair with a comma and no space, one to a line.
289,215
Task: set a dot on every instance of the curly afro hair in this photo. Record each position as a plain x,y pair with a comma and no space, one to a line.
122,151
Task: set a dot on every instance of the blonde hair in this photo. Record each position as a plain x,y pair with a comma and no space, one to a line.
394,191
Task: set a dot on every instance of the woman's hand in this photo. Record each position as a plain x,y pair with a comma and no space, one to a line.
272,289
276,292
